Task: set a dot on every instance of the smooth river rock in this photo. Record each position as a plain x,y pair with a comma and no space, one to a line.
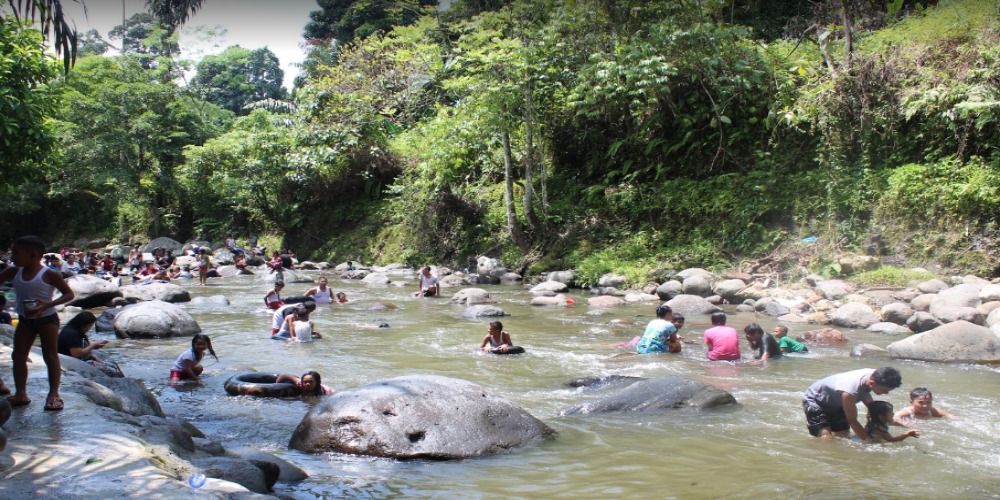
956,342
89,291
658,394
692,304
549,286
472,296
167,292
853,315
897,313
417,417
483,311
823,336
155,319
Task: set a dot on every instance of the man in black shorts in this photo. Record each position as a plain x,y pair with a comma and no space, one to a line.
830,404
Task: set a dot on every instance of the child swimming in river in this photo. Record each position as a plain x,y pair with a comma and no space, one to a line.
880,417
922,406
188,365
496,338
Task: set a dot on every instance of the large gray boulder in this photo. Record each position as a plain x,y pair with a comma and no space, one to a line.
964,295
692,304
223,257
167,292
888,327
487,266
993,318
948,314
483,311
235,470
923,302
472,296
164,243
417,417
834,289
932,286
122,394
897,313
698,284
728,289
669,289
106,321
155,319
606,301
89,291
922,322
228,271
555,300
549,286
266,277
956,342
691,271
375,279
611,280
990,293
287,470
658,394
853,315
567,277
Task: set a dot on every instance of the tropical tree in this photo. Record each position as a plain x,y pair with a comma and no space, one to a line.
54,23
239,76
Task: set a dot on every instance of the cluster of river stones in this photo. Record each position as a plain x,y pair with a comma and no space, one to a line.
436,417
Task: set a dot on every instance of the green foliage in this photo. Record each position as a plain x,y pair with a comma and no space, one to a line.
27,99
239,76
947,189
347,20
891,276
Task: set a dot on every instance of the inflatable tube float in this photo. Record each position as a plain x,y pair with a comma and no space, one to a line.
296,299
261,385
514,349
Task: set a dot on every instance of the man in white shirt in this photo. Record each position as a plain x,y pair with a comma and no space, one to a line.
428,283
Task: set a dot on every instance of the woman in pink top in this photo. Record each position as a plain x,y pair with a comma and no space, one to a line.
723,341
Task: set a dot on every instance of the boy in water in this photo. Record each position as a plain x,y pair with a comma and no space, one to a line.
788,344
35,286
922,406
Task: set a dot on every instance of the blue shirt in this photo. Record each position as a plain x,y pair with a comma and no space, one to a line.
655,337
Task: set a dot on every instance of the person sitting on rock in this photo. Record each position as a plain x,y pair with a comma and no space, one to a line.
74,342
106,264
146,273
427,283
188,364
310,384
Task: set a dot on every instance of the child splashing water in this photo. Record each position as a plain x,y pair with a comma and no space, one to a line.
880,417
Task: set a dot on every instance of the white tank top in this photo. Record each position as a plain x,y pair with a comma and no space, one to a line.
321,297
35,289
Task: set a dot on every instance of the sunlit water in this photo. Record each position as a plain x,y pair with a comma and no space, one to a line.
759,448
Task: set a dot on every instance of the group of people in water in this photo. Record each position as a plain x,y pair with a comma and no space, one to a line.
830,404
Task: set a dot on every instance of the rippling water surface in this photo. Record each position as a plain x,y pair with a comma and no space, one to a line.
757,449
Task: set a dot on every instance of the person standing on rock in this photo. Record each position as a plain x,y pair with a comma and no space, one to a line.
830,404
35,286
723,341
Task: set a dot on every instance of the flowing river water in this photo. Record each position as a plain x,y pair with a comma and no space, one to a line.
758,448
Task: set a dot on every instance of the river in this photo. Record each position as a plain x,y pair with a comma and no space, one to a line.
758,448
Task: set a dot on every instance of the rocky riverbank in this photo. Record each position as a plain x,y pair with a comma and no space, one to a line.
113,441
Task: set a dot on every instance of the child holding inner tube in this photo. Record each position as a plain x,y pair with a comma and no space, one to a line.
309,384
496,338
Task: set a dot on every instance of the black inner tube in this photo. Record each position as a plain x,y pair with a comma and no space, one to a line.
260,385
514,349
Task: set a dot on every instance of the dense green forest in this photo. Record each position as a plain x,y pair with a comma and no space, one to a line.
599,135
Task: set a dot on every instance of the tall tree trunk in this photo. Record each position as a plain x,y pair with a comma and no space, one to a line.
529,159
845,6
513,226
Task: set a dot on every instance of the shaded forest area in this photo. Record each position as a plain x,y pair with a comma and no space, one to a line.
598,135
